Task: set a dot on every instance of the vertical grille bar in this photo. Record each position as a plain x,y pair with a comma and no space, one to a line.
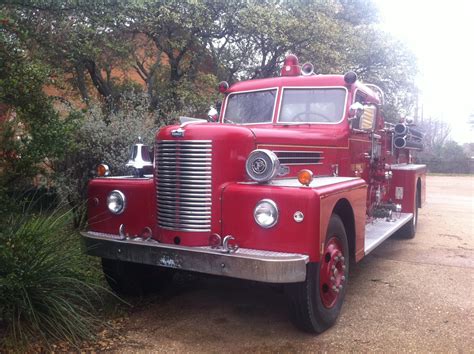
184,184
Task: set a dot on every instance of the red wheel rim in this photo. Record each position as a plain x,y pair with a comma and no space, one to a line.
332,272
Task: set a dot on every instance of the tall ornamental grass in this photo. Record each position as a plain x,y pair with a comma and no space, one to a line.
48,288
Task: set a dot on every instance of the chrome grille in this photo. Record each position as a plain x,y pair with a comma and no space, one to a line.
184,184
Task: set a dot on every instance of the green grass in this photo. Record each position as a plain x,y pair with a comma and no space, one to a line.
49,290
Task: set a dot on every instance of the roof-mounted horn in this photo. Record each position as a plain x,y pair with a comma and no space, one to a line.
307,69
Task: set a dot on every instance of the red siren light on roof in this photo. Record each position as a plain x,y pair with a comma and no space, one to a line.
290,66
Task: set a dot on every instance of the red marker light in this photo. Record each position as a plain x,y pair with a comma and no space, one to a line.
223,86
291,59
291,66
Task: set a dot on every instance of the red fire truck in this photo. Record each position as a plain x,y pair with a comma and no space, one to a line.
299,176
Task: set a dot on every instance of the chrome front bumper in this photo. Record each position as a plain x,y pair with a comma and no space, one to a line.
264,266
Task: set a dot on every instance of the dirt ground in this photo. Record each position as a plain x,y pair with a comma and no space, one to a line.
407,295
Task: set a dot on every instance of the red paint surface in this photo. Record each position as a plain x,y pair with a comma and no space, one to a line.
239,201
408,180
139,211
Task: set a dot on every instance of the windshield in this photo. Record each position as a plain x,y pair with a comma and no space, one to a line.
250,107
312,105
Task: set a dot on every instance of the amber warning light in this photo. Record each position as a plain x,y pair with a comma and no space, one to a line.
305,177
103,170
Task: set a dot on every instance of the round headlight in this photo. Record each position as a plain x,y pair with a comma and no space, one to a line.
262,165
116,202
266,213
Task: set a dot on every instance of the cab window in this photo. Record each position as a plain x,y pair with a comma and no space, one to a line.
312,105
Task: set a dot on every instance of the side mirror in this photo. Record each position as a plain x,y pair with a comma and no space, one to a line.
356,110
362,117
212,115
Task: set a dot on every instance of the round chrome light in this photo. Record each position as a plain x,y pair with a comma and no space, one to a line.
266,213
262,165
116,202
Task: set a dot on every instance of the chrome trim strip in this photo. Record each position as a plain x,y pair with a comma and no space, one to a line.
406,167
189,223
298,151
204,181
170,206
198,195
190,212
257,265
184,141
184,229
192,190
187,185
172,155
184,203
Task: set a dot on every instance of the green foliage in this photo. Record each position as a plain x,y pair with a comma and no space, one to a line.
102,136
447,158
171,43
441,154
47,286
35,133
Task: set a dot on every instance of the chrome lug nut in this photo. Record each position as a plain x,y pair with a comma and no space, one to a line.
334,287
342,259
343,278
333,279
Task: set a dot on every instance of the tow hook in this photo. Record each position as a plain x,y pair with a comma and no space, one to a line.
228,248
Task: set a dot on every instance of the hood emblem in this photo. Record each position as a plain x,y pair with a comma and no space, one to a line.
177,133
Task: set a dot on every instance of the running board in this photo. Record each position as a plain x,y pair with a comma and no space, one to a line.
379,230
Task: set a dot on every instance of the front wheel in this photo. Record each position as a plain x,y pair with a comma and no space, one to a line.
316,303
126,278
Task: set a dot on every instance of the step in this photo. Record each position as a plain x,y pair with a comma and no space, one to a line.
379,230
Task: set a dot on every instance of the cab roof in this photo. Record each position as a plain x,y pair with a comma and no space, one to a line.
300,81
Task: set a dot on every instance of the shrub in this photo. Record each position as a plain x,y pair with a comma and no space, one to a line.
102,137
47,286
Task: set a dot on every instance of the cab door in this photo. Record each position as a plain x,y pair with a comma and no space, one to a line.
365,145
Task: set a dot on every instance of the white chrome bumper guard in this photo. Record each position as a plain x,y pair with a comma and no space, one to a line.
250,264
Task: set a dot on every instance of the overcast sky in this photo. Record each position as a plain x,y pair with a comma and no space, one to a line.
441,34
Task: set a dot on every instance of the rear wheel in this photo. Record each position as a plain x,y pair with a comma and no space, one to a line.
409,229
316,303
126,278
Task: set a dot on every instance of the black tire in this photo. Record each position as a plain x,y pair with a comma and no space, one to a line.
126,278
307,308
408,231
